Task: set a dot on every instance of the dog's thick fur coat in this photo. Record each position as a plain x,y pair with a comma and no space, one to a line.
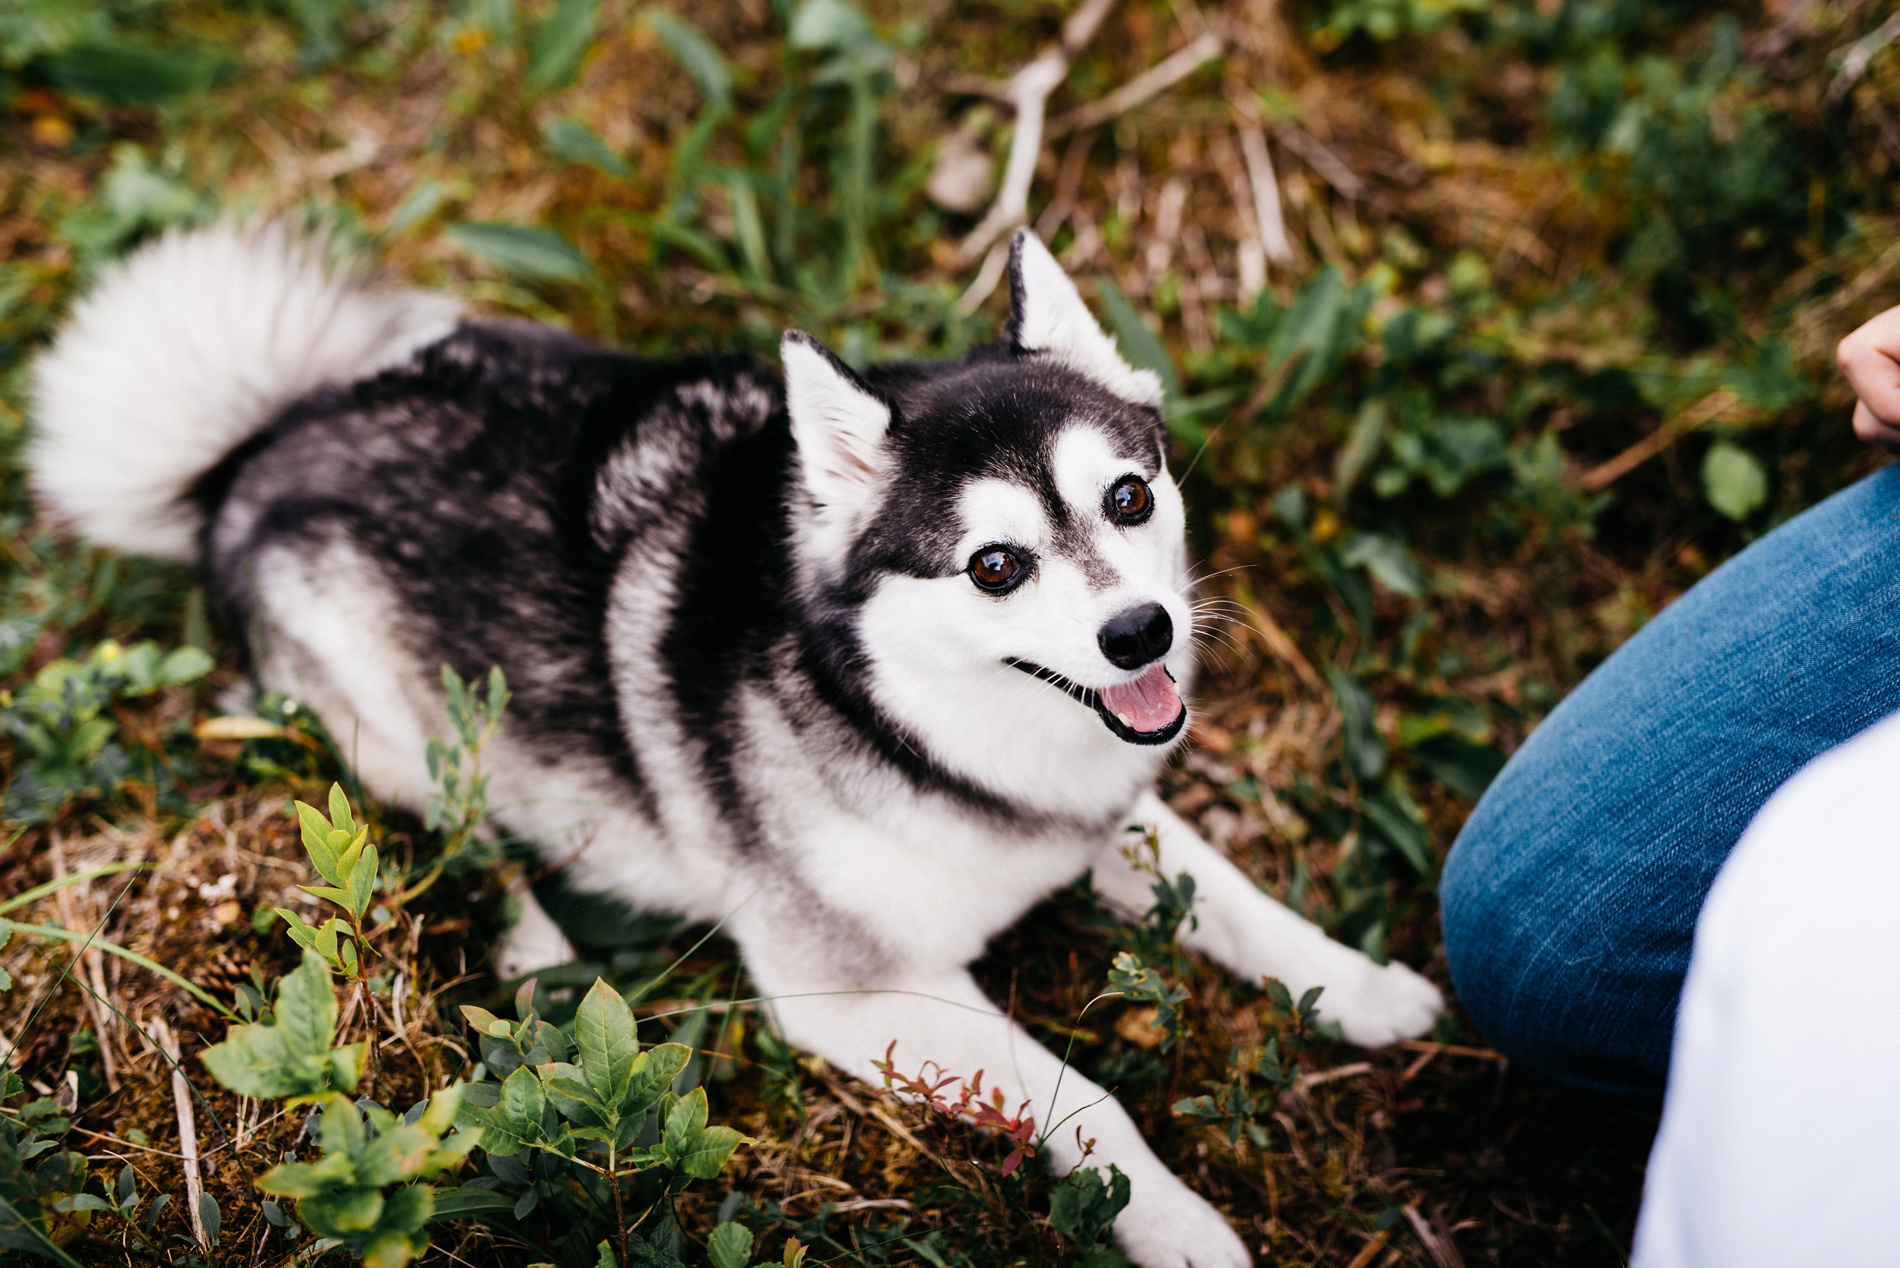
759,675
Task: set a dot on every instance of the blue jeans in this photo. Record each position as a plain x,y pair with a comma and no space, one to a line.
1570,897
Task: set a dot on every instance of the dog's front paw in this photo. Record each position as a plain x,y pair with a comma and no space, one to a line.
1168,1225
1381,1004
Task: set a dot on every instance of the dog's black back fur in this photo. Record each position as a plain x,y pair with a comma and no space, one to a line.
499,478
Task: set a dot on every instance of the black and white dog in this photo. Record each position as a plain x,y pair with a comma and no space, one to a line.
867,664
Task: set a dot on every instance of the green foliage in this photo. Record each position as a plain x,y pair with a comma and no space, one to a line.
805,248
1138,343
1157,936
1734,480
1251,1088
367,1191
574,141
43,1204
599,1103
697,55
82,48
64,744
1708,163
341,852
1083,1207
593,1115
525,251
290,1055
561,43
1389,19
1137,983
1305,343
123,73
134,199
1364,746
730,1246
458,806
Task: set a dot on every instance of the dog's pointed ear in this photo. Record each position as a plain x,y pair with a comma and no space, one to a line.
1047,315
838,423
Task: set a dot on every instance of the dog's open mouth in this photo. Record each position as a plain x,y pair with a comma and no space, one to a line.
1146,711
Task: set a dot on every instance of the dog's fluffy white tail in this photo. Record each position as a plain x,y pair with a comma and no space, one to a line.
187,350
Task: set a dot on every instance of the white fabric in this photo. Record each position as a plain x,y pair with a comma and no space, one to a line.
1780,1139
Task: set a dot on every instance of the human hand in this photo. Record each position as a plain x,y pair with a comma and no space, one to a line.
1870,358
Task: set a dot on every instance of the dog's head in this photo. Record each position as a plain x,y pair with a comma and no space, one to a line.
1003,536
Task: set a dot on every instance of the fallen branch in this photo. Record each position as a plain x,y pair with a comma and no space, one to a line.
1452,1050
1855,58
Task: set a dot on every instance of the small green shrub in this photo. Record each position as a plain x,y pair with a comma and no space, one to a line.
58,723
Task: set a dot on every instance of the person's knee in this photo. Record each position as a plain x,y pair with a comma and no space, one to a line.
1540,955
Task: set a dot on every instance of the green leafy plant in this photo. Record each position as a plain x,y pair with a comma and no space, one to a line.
1157,936
1139,984
730,1246
589,1115
368,1192
1252,1088
1083,1207
340,850
60,730
40,1183
805,247
289,1054
458,806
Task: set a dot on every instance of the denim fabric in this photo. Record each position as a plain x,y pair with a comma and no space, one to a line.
1570,898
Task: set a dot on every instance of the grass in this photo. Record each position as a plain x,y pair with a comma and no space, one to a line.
1551,339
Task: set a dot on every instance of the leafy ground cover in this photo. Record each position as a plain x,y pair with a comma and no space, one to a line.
1487,328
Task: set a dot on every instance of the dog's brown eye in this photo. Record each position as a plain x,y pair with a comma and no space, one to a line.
1130,501
996,569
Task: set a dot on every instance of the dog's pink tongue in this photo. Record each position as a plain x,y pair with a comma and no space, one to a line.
1146,704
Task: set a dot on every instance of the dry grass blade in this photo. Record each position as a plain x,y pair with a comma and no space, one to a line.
1444,1254
166,1044
1716,405
1029,92
1269,216
1150,83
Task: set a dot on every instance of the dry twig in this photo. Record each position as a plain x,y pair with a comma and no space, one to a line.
1444,1254
1157,79
1269,216
166,1043
1706,410
1331,168
1029,91
92,978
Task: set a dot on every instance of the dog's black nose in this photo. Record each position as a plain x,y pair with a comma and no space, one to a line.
1133,638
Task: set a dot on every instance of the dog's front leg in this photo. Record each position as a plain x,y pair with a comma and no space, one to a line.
1249,932
943,1019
